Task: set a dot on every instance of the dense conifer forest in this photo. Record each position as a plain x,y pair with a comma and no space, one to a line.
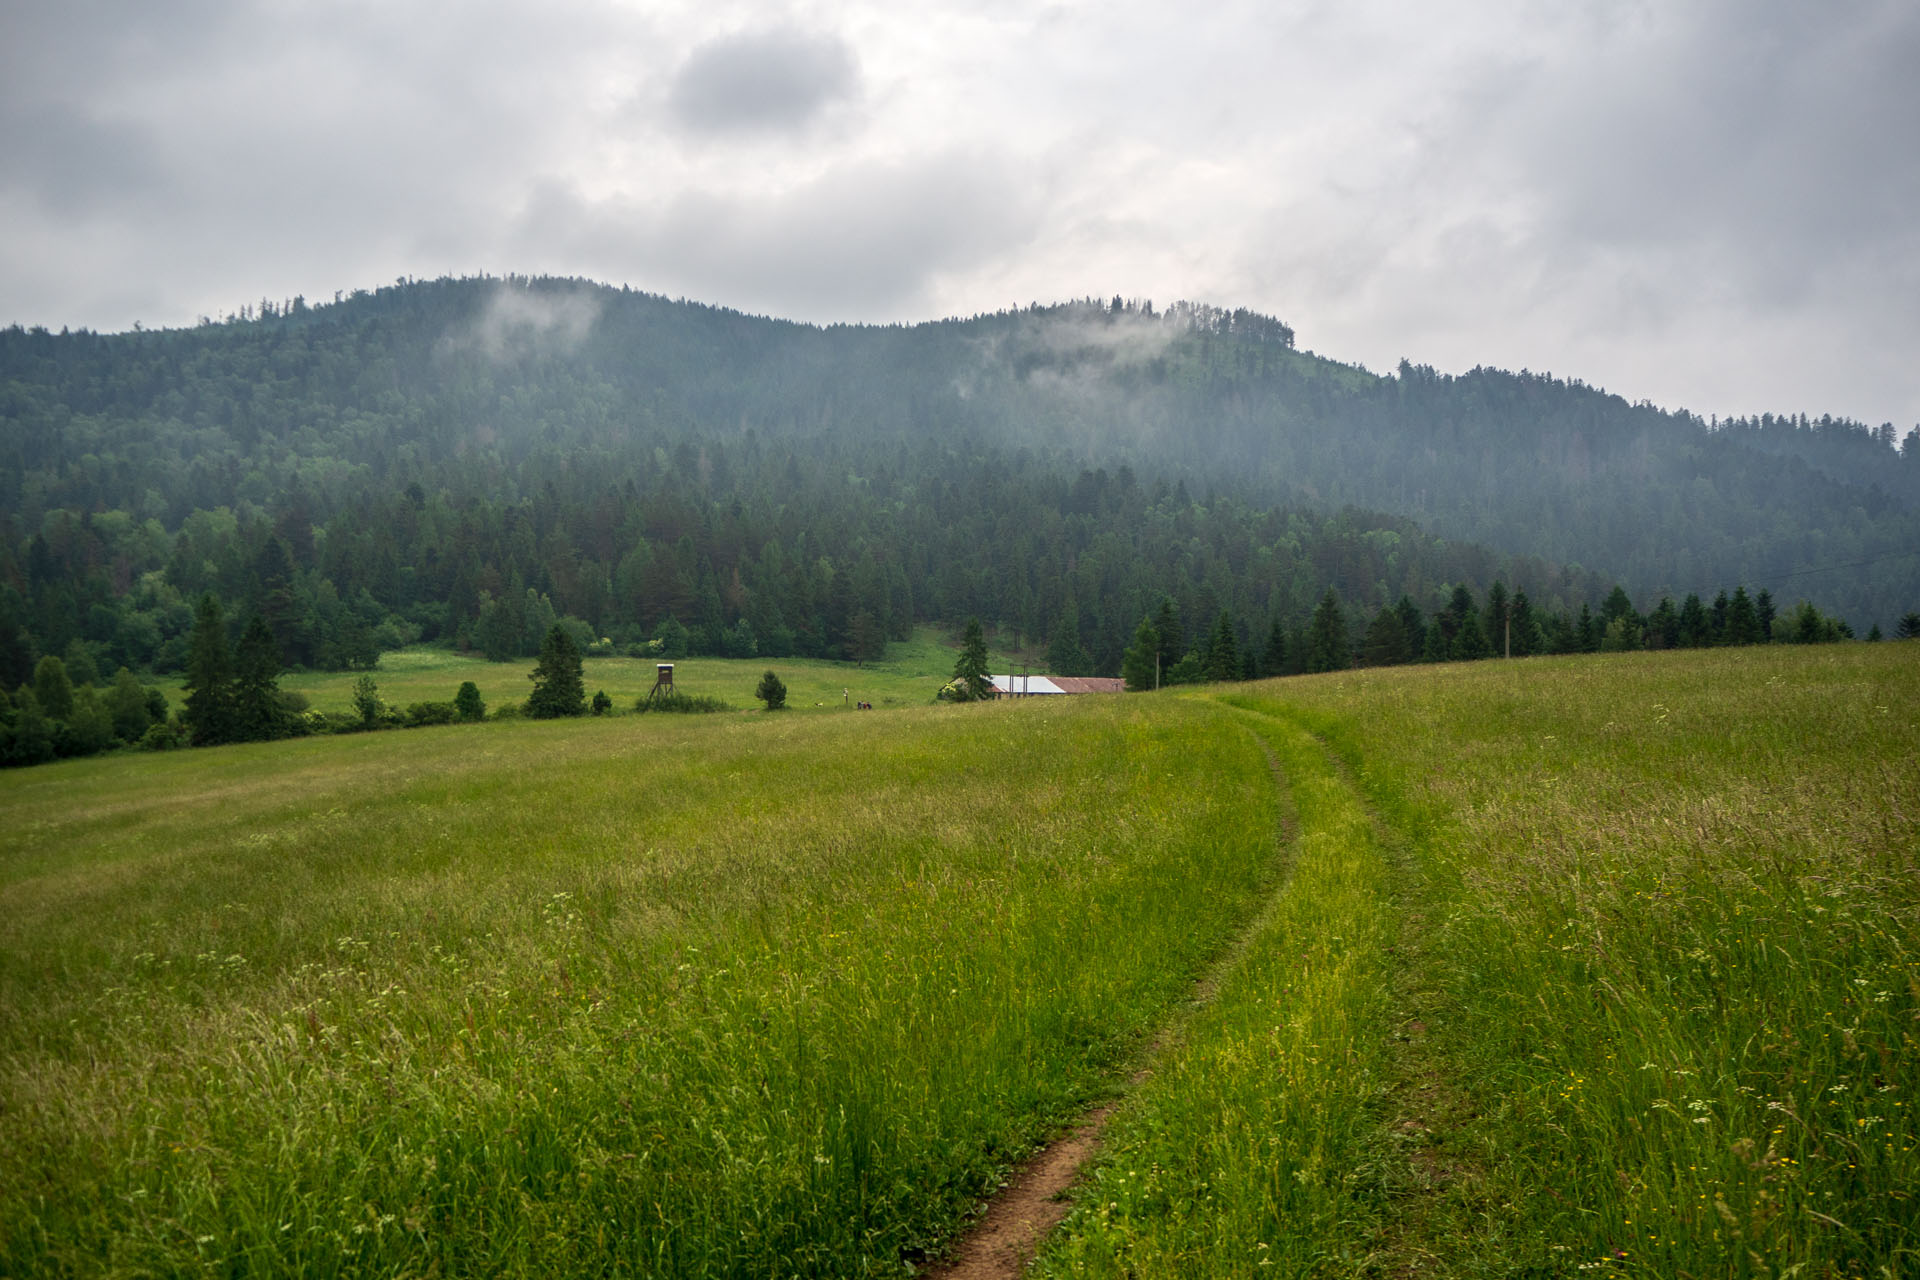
472,461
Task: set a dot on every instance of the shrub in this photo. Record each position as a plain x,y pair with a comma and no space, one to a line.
601,703
467,702
164,736
682,703
425,713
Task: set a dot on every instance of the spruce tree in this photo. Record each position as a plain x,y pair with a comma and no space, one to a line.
559,685
209,706
1499,618
772,690
970,668
1273,659
1166,624
1414,625
1385,642
1066,656
1223,651
1138,663
1470,643
1743,623
1327,645
1527,639
1695,632
257,713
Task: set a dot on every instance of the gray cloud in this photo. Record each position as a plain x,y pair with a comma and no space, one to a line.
762,81
1708,204
862,241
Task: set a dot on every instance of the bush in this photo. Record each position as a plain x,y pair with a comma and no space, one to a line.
425,713
682,703
164,736
601,703
508,711
467,702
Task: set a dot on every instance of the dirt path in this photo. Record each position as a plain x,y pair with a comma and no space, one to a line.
1003,1243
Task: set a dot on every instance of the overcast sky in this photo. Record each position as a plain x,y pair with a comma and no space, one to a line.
1713,205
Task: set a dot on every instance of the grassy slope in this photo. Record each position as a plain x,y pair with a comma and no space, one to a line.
689,998
1579,964
1651,1002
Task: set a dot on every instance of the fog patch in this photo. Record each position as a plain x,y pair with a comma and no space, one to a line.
775,81
521,319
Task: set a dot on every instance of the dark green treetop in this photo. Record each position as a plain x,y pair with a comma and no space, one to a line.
209,706
1327,645
559,686
1138,663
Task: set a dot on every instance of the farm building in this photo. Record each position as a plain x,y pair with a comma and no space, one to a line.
1024,686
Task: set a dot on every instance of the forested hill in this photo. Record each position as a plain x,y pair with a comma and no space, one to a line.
411,457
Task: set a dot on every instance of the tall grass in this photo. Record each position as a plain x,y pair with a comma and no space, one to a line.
1677,922
713,996
1247,1150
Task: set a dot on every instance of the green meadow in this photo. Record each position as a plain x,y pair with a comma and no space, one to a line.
910,674
1559,967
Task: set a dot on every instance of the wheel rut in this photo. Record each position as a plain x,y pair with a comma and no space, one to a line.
1003,1242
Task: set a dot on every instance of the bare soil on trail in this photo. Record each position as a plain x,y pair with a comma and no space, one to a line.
1002,1244
1006,1238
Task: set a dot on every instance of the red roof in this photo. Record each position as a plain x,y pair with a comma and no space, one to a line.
1090,684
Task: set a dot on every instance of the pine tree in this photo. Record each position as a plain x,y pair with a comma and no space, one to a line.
772,691
1173,642
209,706
1223,651
559,685
1470,643
1663,625
1527,639
1414,625
1695,631
1327,646
1909,627
257,713
1066,656
1743,624
1138,664
1273,659
1499,620
970,671
1385,642
1763,608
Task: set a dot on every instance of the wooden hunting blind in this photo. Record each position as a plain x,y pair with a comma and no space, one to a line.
662,680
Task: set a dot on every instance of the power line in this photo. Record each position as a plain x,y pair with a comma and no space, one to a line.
1803,573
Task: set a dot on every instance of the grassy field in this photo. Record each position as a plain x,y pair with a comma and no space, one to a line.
1561,967
1641,995
722,996
910,674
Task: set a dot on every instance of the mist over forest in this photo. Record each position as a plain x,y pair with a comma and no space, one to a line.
469,460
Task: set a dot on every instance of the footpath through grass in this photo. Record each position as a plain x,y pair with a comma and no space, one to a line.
1249,1149
1653,1006
728,996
